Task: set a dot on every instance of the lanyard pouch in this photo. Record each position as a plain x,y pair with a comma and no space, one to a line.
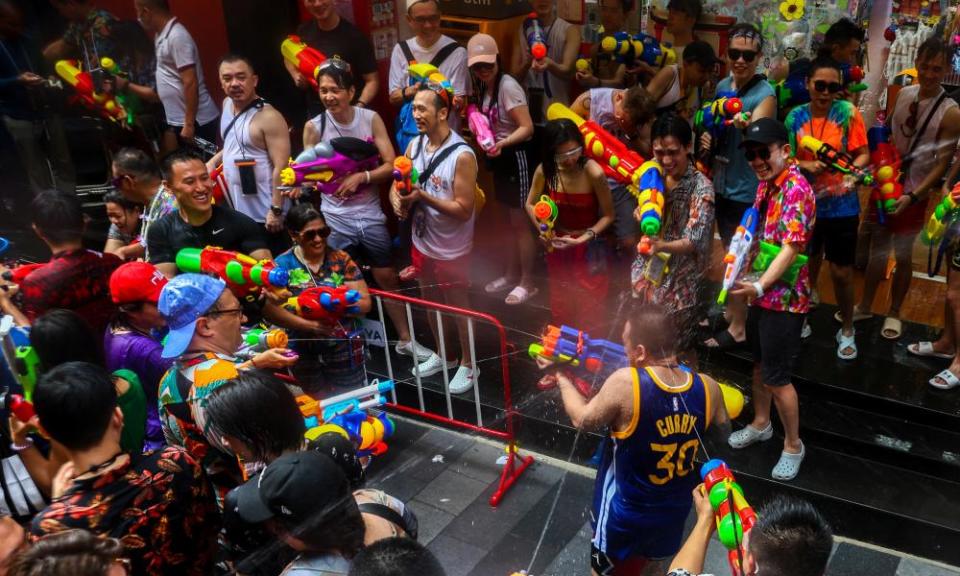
247,169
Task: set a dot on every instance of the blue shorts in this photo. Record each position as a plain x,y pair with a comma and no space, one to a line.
654,533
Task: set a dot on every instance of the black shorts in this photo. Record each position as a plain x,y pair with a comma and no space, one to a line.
512,173
774,339
728,214
837,237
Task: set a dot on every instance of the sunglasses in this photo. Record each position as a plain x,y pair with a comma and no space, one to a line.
822,86
430,19
335,63
309,235
752,153
747,55
568,154
439,89
229,311
118,181
482,67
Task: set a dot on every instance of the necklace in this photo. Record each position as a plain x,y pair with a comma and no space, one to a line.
97,468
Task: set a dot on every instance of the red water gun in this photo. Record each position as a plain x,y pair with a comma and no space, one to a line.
103,104
243,274
17,405
219,185
327,304
307,60
20,273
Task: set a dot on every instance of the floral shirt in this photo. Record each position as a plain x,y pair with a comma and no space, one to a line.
688,213
183,392
157,504
787,212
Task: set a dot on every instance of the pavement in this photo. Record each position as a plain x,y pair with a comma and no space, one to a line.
543,523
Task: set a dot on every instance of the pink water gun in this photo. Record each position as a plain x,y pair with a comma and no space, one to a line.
480,126
325,165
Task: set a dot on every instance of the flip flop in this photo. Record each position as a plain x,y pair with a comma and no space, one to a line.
949,378
925,350
725,341
519,295
844,342
892,328
789,465
857,316
498,285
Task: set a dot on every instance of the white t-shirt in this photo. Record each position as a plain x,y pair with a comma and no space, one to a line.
176,51
511,95
454,68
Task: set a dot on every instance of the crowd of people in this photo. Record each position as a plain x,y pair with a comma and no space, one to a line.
161,446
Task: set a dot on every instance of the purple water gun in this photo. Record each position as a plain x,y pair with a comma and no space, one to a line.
324,165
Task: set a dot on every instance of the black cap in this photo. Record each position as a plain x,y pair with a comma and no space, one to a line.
765,131
297,489
700,52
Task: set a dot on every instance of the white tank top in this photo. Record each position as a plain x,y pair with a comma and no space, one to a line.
239,146
924,154
365,204
434,234
672,95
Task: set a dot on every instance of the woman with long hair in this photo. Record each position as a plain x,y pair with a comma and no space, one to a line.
576,256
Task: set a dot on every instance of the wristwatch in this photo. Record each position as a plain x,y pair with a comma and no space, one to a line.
277,210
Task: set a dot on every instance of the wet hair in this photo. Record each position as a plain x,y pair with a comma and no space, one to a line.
840,33
136,162
60,336
822,61
260,411
178,156
115,197
638,105
934,47
670,124
746,30
652,327
75,402
300,215
342,76
58,216
68,553
791,538
692,8
234,57
555,134
397,556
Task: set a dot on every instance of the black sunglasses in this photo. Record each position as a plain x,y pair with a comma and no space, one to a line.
752,153
309,235
747,55
823,86
482,67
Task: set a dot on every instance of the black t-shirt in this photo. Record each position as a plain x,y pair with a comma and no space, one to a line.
227,229
344,41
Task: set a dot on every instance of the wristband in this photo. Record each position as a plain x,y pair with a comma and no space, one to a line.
366,176
759,288
591,233
21,447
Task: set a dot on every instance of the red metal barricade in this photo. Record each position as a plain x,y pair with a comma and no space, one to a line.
515,463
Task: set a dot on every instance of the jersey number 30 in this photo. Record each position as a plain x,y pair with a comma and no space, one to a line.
679,466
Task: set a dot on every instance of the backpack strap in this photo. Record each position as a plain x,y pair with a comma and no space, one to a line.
436,160
444,53
407,53
385,512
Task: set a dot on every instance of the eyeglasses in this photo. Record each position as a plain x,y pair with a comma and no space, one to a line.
482,67
823,86
309,235
568,154
431,19
911,122
752,153
238,311
747,55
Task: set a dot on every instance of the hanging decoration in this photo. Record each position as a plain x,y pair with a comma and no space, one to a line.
791,10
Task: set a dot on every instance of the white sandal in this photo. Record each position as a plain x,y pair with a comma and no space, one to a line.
520,295
844,342
498,285
949,378
925,349
788,466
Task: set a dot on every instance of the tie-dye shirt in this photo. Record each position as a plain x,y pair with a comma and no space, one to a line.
841,128
788,212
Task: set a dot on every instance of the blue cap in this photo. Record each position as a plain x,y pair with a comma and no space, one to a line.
182,301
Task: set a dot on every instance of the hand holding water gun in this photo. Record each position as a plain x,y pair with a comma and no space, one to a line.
19,274
17,405
480,126
305,59
836,160
566,345
105,105
546,212
261,339
325,165
736,257
650,204
243,274
326,304
640,47
734,515
852,78
371,396
536,39
715,116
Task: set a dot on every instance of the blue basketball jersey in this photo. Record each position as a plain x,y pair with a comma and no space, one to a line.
647,471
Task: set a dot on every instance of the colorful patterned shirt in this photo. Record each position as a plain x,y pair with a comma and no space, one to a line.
157,504
787,213
841,128
77,280
688,213
183,392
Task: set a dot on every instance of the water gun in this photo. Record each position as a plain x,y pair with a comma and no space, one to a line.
734,516
885,159
583,65
106,105
19,274
324,165
650,202
316,412
260,339
536,39
346,414
220,189
792,90
736,257
766,255
546,212
405,175
480,126
307,60
22,361
716,115
837,161
327,304
639,47
418,73
852,78
566,345
127,100
942,214
17,405
618,161
243,274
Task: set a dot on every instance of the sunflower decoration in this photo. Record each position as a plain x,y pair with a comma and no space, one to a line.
791,9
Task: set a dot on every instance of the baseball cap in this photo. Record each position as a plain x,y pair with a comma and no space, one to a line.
765,131
700,52
135,282
298,489
481,48
183,300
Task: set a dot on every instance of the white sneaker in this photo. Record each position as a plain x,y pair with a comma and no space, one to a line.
463,380
806,331
432,365
406,349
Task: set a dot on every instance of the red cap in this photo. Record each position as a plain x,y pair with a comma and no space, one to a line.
136,282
